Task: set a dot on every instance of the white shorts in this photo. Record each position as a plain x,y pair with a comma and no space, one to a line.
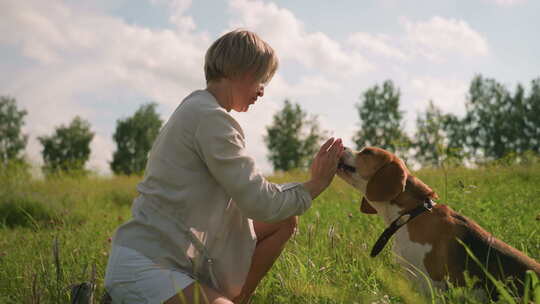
133,278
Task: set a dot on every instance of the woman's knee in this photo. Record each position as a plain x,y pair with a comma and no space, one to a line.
290,225
286,228
179,300
203,293
222,301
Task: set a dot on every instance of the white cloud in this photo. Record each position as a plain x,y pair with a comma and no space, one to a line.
307,86
447,94
75,51
379,44
177,11
507,2
286,34
439,37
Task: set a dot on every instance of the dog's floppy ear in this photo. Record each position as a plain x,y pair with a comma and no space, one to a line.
420,189
366,207
387,183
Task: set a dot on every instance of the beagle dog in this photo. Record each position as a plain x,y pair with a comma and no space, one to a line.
429,237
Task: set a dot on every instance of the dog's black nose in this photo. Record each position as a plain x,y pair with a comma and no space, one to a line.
346,167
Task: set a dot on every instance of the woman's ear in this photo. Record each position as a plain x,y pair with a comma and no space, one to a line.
387,183
366,207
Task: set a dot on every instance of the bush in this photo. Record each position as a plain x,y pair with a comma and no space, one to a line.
21,211
526,158
120,197
15,170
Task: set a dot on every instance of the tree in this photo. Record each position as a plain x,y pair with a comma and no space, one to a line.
438,137
68,149
293,138
12,141
532,117
134,137
381,120
455,134
429,136
495,120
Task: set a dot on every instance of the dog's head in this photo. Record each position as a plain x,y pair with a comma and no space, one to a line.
379,175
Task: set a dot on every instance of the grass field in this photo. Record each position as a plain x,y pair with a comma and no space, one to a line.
326,262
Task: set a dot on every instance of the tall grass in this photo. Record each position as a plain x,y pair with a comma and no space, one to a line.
327,261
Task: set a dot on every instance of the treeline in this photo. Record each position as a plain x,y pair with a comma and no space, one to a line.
497,123
67,150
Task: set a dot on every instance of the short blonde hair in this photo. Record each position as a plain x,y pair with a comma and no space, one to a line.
238,52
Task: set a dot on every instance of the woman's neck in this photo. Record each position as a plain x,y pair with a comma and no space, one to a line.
221,91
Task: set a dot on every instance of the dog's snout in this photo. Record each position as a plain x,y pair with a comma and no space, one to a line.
347,168
347,153
346,162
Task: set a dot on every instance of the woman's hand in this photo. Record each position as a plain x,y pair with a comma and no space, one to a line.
324,166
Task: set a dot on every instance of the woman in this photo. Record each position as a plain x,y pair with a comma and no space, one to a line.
205,219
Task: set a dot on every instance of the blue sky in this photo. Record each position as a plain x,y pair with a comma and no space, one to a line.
102,59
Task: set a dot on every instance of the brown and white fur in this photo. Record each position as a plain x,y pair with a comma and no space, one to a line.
429,242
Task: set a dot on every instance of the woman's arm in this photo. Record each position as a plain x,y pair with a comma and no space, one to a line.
221,146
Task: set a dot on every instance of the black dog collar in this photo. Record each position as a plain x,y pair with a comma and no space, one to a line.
398,223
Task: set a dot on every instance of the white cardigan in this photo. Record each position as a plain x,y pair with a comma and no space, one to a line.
198,177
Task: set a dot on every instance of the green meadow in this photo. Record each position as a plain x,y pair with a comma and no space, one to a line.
56,232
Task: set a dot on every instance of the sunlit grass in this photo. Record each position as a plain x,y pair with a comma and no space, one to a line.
327,261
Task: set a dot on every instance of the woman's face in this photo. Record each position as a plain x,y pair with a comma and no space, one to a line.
245,91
